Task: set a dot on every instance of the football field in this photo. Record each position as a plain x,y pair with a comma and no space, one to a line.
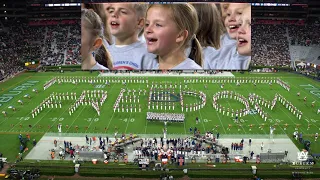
18,98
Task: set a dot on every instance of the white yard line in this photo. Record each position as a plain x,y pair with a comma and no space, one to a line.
83,107
20,97
91,123
145,128
130,115
59,116
111,106
184,122
208,96
199,111
309,94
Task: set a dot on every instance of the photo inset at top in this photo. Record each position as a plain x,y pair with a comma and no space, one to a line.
185,36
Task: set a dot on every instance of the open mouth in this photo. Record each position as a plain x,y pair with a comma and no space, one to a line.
233,28
242,42
151,40
114,24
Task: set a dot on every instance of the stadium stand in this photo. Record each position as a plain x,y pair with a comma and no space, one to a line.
53,42
34,33
278,43
305,42
306,35
270,45
61,45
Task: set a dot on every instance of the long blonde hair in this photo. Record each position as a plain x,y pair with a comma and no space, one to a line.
186,18
95,26
98,8
210,25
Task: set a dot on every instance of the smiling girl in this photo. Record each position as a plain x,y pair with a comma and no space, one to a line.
231,22
244,33
168,29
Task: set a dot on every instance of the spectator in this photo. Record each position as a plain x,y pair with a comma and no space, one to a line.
21,148
34,142
52,42
270,46
251,154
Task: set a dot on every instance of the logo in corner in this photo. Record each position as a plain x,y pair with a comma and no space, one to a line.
303,156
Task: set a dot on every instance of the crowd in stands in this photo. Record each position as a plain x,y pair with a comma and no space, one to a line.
304,35
11,65
72,46
52,42
271,39
270,45
55,42
10,50
54,46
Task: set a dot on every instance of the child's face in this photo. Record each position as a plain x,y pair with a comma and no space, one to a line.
85,42
224,8
106,7
244,33
160,31
122,20
232,19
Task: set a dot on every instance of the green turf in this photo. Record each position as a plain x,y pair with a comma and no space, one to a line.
10,144
88,121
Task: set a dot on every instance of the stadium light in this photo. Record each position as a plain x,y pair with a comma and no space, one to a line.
5,11
4,5
6,18
63,4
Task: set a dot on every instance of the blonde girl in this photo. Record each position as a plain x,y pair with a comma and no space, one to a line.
92,49
244,33
168,31
209,31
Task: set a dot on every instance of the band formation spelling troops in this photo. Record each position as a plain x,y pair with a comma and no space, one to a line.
228,111
162,96
92,80
194,106
127,99
254,80
92,98
257,100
